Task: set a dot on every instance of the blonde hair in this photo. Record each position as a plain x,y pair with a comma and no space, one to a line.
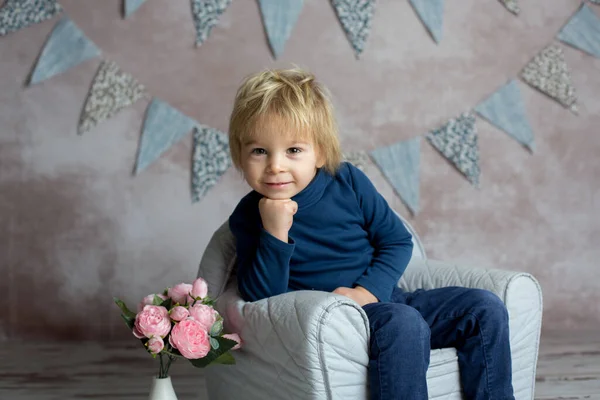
297,100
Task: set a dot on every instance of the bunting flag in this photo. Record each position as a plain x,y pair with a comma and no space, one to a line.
210,160
279,18
399,163
583,31
505,110
511,5
111,91
130,6
163,127
18,14
206,16
595,1
457,141
359,159
355,17
431,13
67,47
548,72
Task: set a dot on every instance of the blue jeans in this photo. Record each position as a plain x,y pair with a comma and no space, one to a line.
403,332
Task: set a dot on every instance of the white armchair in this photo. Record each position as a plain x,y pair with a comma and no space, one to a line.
313,345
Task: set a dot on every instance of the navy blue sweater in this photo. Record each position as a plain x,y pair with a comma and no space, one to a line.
344,234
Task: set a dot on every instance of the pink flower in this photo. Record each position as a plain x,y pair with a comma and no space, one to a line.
179,313
148,300
234,337
204,314
153,321
199,288
137,333
155,345
190,338
180,293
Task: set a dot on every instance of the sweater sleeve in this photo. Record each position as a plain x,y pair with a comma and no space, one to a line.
263,261
388,236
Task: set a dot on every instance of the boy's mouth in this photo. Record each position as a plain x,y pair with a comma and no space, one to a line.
277,184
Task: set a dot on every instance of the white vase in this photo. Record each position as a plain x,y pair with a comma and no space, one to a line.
162,389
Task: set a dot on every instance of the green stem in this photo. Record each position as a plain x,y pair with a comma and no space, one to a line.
160,369
171,359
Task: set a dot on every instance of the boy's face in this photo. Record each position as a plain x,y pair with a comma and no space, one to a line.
278,164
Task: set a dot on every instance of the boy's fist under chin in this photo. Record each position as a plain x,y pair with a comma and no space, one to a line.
277,216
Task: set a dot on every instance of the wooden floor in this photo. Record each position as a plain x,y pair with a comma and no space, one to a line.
568,368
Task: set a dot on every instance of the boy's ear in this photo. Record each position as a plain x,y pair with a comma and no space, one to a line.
320,159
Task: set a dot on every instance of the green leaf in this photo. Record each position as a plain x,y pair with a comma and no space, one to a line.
224,346
166,303
225,359
128,313
129,321
214,343
157,301
216,328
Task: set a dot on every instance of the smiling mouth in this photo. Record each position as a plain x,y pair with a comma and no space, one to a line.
277,184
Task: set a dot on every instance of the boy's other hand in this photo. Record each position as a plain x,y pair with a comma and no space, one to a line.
359,294
277,216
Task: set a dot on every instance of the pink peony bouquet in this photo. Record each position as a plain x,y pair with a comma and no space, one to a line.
181,323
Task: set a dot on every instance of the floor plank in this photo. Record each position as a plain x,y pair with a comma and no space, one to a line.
568,369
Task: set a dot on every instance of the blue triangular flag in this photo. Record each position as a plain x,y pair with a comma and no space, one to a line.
163,127
279,18
457,141
131,6
399,163
505,110
431,13
583,31
355,17
210,160
67,47
18,14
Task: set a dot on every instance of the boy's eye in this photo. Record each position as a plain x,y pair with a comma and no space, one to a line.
259,151
294,150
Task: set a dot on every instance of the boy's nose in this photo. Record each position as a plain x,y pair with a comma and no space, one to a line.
275,164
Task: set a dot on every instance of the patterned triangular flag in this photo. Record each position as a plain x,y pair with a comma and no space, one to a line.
505,110
67,47
511,5
111,91
399,163
355,17
548,72
130,6
279,18
210,161
431,13
357,158
595,1
583,31
163,127
18,14
457,141
206,16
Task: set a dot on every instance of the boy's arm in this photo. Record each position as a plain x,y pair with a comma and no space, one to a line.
388,235
262,260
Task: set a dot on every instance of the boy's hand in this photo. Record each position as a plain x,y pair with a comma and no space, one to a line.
277,216
359,294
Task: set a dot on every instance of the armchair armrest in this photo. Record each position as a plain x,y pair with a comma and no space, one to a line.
308,343
520,292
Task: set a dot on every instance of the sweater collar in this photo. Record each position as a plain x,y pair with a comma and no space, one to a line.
311,194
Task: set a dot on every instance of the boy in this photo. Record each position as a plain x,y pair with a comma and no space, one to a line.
314,223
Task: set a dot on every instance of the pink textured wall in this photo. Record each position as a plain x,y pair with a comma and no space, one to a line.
77,228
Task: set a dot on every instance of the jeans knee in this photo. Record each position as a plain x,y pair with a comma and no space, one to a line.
403,321
488,305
